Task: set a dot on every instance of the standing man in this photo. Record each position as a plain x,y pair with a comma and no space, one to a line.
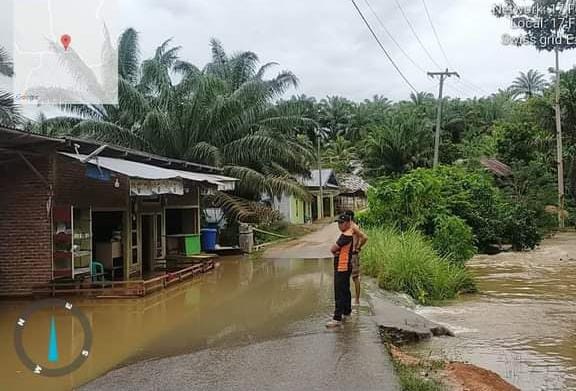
360,240
342,252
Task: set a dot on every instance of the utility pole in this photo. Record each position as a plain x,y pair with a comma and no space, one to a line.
321,203
559,148
443,76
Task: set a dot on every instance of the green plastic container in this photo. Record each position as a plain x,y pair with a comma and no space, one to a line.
192,245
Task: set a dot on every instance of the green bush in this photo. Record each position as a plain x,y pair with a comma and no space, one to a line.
406,262
521,229
453,238
440,203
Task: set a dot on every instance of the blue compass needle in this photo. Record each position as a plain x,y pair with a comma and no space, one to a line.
53,344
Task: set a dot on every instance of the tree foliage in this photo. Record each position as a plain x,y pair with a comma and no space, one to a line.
223,115
9,112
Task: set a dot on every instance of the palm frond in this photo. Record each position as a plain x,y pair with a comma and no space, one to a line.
6,64
9,114
129,56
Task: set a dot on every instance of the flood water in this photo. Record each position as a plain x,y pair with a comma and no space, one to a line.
523,324
242,301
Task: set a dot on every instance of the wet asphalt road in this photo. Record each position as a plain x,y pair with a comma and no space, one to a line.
348,359
283,345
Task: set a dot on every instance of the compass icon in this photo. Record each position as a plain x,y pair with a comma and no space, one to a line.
53,353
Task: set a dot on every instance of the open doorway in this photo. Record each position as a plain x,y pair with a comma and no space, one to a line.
315,209
327,207
107,231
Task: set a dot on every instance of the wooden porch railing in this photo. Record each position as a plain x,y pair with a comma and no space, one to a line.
126,289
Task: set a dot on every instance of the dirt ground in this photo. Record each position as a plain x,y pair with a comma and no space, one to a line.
458,376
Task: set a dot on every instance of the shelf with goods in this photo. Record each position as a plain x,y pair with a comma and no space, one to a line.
82,241
72,233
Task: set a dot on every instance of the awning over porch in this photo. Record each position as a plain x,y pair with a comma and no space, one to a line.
149,172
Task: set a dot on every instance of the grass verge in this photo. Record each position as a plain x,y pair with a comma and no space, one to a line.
407,262
411,379
415,374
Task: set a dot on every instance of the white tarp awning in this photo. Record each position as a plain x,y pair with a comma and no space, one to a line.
147,187
146,171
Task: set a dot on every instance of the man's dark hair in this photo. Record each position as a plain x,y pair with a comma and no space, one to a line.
343,218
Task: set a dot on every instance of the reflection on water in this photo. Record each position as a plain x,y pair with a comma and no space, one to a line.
523,325
241,301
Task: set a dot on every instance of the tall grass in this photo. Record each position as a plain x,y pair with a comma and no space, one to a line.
406,262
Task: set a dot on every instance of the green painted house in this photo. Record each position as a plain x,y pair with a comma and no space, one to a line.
299,211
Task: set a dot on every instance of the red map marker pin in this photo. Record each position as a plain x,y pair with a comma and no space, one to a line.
66,40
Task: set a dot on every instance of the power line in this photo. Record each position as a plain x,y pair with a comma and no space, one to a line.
435,32
382,46
415,34
392,37
464,82
472,86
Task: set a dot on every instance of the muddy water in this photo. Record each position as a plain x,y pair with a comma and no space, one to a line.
242,301
523,324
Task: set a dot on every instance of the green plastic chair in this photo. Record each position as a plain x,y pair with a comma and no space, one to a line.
97,271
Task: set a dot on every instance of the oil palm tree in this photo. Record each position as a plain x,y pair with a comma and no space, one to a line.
336,113
223,115
8,109
528,84
340,154
421,98
401,144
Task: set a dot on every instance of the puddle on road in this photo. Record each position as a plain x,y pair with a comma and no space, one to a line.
242,301
523,324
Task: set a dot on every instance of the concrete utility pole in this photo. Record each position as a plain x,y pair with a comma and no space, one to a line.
443,76
321,203
559,148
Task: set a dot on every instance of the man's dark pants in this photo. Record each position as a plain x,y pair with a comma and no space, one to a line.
342,294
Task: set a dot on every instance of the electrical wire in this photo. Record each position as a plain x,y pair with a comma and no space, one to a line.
375,36
435,33
392,37
463,82
415,34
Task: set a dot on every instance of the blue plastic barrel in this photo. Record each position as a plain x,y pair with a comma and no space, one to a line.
208,238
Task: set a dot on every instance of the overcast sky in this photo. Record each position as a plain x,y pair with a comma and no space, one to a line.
326,44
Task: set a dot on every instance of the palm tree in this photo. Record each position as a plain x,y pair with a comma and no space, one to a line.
528,84
421,98
403,143
8,109
223,115
336,113
340,154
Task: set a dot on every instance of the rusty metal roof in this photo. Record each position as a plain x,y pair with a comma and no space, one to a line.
14,142
496,167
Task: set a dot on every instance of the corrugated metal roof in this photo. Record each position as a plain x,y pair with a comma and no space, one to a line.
328,179
14,141
145,171
351,183
496,167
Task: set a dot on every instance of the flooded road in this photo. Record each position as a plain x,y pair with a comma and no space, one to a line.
226,329
523,324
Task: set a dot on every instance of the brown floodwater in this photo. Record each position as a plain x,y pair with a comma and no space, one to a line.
523,323
242,301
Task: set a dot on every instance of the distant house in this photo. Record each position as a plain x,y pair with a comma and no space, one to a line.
353,195
298,211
